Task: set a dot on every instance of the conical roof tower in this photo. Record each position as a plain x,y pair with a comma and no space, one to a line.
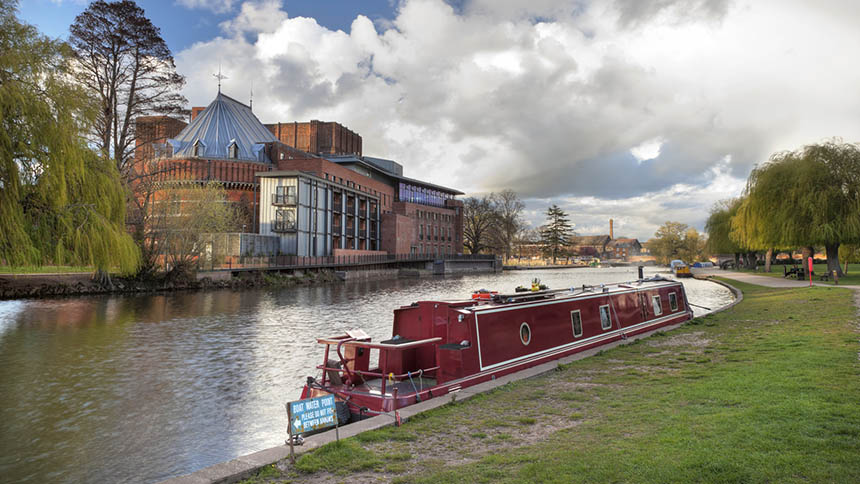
226,129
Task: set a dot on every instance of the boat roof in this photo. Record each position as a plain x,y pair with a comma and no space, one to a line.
573,292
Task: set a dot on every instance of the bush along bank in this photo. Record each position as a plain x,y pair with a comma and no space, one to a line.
765,391
37,285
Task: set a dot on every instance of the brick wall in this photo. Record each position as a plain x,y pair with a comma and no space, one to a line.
154,129
318,137
429,228
397,233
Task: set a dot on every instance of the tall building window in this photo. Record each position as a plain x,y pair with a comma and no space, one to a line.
285,195
198,148
285,220
233,150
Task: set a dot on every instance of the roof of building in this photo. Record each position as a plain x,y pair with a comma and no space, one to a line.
222,123
624,243
378,163
592,240
305,174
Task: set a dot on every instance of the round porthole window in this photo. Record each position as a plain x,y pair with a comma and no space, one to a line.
525,333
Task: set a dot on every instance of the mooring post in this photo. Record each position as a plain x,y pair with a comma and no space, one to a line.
640,272
290,433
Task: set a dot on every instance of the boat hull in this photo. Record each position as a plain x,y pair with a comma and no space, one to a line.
474,344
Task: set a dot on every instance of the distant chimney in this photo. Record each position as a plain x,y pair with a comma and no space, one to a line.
611,233
195,111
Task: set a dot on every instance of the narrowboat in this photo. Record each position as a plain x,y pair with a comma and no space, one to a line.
439,347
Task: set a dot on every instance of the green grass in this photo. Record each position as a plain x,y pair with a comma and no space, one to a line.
264,475
44,269
853,276
765,392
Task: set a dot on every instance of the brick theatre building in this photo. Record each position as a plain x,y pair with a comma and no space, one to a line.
318,194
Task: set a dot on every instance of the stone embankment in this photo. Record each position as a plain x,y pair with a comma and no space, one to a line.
17,286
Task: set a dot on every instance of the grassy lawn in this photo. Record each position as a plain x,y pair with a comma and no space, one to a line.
44,269
765,392
853,276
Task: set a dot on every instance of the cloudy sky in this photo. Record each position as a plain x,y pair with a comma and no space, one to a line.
641,111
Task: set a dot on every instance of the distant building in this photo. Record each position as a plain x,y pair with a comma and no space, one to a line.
306,183
623,248
591,245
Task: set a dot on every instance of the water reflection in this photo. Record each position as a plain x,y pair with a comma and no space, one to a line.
141,388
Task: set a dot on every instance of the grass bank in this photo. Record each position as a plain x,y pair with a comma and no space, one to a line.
765,392
852,278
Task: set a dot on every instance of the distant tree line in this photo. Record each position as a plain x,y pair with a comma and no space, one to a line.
797,199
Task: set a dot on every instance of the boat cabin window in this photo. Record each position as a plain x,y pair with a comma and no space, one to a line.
576,322
525,334
673,301
657,304
605,317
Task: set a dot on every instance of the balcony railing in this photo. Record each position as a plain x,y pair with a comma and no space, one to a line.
279,199
284,227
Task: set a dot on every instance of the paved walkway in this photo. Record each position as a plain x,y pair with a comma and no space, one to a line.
766,281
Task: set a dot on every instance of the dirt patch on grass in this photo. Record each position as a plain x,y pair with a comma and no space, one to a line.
695,339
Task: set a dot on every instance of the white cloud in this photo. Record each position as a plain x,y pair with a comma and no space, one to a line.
217,6
648,150
255,17
559,100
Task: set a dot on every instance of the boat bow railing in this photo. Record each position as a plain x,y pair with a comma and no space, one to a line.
383,374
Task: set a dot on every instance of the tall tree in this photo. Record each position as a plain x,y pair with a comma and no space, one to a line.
60,203
556,234
508,209
478,220
668,242
122,61
806,197
694,246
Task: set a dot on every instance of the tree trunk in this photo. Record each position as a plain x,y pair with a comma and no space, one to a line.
768,260
102,278
806,253
751,260
737,260
833,259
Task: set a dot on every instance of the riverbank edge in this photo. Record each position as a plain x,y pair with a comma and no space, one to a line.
246,466
37,286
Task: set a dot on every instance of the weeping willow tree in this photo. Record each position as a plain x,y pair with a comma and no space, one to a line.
60,202
722,239
719,228
806,197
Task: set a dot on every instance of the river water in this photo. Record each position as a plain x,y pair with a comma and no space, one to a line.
142,388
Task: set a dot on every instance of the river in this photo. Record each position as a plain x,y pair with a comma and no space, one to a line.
145,387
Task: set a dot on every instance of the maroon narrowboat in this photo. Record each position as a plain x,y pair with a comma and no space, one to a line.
439,347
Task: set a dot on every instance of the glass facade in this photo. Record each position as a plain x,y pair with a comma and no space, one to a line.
422,195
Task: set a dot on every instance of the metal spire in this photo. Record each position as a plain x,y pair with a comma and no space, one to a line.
251,103
219,76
